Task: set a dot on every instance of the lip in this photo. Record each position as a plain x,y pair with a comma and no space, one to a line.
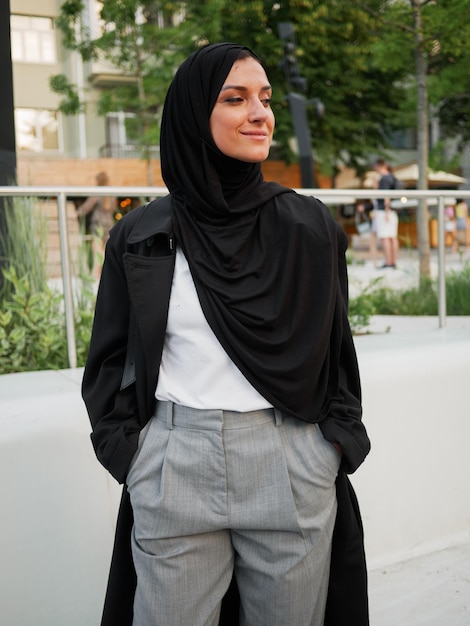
255,134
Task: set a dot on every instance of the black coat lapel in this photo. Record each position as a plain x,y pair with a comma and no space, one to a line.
149,264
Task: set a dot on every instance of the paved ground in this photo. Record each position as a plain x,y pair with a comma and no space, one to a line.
433,590
362,271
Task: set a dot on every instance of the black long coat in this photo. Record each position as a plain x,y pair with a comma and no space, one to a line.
118,388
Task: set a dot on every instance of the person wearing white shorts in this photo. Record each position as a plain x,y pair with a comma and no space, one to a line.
387,219
387,224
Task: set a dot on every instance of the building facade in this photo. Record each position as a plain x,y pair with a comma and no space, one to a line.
53,148
38,54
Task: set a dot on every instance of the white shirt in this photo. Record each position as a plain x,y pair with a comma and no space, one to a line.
195,370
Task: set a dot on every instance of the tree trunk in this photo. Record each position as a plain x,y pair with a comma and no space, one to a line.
422,218
148,158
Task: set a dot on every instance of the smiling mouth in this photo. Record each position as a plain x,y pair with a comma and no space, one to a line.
254,135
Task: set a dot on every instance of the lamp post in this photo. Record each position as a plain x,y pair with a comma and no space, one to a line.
7,127
298,104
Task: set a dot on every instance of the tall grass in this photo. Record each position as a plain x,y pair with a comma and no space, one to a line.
23,243
421,300
458,291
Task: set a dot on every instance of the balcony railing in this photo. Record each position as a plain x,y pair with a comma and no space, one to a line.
328,196
126,151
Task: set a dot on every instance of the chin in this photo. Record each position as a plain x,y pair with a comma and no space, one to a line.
255,157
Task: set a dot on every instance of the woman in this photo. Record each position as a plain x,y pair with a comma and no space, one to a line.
386,217
97,216
222,382
461,214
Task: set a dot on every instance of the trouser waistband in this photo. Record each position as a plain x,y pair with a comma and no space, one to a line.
213,419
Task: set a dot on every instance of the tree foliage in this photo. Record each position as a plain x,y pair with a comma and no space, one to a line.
358,57
140,39
333,44
449,82
427,42
444,46
335,40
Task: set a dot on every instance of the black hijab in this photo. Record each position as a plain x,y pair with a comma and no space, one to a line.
263,259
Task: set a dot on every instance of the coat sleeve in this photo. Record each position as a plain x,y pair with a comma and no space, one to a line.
113,411
343,413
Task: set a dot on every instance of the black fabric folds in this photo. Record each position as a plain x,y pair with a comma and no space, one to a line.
263,258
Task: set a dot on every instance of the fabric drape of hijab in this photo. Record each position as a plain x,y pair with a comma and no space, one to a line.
264,259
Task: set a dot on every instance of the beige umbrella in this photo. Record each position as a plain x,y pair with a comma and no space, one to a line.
347,179
408,174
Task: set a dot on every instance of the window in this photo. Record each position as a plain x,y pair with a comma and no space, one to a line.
117,128
403,139
152,14
37,130
123,136
32,39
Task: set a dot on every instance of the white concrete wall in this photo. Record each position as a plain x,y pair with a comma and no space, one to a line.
58,505
414,488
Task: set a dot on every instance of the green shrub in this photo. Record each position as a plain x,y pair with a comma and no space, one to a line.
361,308
458,292
421,300
32,320
32,328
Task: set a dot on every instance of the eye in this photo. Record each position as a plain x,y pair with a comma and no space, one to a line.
234,99
266,101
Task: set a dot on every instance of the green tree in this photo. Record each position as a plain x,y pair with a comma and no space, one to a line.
334,43
334,40
449,76
427,42
376,66
403,44
140,37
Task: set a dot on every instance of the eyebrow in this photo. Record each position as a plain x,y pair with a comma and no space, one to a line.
241,88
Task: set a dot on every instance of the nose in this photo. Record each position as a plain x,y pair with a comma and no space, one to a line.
258,111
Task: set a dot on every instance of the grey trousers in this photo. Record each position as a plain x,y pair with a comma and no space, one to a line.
216,492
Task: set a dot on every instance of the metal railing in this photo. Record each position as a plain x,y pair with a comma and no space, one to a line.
328,196
126,151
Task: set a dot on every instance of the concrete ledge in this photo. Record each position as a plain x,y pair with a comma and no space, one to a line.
59,505
413,488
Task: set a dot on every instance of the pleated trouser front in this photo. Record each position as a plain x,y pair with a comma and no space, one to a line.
220,491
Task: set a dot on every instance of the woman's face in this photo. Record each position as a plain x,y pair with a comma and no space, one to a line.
242,121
